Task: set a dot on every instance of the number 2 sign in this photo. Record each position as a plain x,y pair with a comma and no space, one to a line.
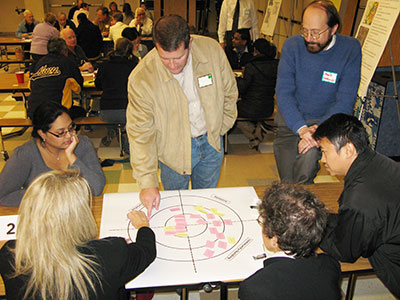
8,226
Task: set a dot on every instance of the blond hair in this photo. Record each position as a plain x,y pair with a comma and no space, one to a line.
54,220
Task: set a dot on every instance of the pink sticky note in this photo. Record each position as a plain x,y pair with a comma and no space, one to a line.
222,244
194,216
217,223
213,230
180,227
179,217
220,236
210,216
175,209
228,222
170,232
210,244
208,253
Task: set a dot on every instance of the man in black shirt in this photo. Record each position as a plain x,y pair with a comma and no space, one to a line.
241,51
368,222
49,75
89,37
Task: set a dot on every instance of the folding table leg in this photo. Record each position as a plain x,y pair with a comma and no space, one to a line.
351,285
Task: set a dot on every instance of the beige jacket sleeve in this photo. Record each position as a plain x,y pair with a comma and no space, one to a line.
142,134
231,93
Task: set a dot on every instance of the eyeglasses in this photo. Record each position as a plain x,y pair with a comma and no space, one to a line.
141,14
314,35
71,129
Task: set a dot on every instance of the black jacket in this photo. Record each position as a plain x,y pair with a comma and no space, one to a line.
368,222
257,87
48,77
69,23
119,263
238,61
112,78
282,278
90,39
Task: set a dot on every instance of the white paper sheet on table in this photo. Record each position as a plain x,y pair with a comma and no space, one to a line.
204,235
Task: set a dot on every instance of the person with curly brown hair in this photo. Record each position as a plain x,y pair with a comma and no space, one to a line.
293,221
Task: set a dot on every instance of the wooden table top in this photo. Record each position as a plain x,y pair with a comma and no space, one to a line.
9,83
328,193
13,40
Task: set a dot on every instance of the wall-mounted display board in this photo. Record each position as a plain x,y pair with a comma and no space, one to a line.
373,33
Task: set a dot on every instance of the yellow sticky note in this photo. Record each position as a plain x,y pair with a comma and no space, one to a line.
231,240
169,228
216,212
182,234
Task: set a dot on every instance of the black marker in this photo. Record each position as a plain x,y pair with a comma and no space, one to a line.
260,256
253,206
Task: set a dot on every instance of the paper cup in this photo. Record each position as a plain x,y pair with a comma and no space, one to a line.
20,76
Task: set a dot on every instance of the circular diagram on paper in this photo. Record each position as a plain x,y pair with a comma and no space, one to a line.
194,228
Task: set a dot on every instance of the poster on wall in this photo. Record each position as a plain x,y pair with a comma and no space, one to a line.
373,33
271,17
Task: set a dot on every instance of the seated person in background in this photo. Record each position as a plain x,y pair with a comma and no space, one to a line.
139,50
89,37
42,33
128,13
143,5
74,9
103,20
142,23
293,221
112,78
240,52
368,222
113,8
53,77
63,22
25,28
257,90
55,146
72,263
75,52
117,26
84,9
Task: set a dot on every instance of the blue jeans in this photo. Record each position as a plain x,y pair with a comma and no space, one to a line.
206,166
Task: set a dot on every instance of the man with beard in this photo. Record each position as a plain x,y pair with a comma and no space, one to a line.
318,76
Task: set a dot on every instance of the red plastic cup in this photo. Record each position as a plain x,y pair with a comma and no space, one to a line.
20,76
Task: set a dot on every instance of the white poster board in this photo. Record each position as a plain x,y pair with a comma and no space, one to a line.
205,235
271,17
373,33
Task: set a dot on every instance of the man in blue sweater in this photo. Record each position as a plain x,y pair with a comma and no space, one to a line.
318,76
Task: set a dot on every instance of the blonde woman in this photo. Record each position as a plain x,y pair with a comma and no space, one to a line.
56,254
141,22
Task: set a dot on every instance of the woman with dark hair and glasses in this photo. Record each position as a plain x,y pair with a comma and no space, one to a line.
55,146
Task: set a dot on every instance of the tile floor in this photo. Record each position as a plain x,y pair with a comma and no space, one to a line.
241,167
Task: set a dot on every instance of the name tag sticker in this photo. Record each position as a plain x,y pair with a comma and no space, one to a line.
8,226
329,77
205,80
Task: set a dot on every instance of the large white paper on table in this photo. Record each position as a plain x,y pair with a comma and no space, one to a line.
204,235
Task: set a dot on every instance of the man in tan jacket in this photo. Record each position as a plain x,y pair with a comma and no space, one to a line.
182,100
